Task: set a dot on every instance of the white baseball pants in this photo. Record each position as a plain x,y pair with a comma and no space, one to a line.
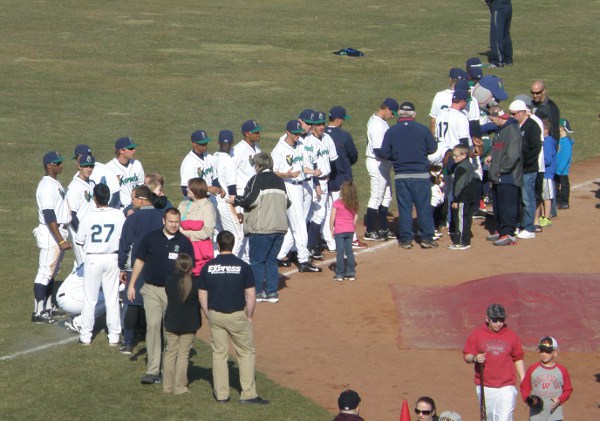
231,223
499,402
381,190
50,254
296,233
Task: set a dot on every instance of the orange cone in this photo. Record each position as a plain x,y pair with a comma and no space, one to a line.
405,414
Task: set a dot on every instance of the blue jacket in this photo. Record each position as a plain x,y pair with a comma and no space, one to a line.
407,145
341,168
549,157
563,157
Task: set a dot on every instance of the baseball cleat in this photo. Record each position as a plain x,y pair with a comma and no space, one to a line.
56,312
70,325
43,318
373,236
308,267
315,253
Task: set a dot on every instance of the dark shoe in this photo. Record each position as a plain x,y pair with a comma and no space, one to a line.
284,263
315,253
261,296
272,297
44,318
221,401
565,206
373,236
387,234
126,349
56,312
151,379
256,401
407,245
428,244
308,267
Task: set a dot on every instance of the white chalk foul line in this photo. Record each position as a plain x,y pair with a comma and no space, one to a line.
580,185
38,348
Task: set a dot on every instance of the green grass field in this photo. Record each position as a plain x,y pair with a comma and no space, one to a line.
89,72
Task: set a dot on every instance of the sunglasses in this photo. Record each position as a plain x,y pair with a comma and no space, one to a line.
57,163
546,349
131,149
497,320
425,412
536,93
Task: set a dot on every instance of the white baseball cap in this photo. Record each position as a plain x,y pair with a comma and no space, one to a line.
449,416
518,105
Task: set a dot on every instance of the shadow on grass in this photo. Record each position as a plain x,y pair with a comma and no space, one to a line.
198,373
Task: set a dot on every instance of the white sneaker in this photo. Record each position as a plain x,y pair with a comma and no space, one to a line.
526,235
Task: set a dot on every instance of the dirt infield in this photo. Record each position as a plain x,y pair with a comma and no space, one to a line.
323,336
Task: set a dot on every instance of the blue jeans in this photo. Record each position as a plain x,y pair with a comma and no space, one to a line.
343,245
501,50
263,259
415,191
528,200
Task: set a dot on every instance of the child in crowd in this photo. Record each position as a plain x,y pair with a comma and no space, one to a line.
182,320
467,188
549,147
563,164
547,384
198,219
156,184
344,216
437,198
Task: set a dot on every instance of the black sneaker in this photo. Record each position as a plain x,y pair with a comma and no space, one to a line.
308,267
126,349
316,254
284,263
43,318
56,312
151,379
387,234
428,244
407,245
261,296
373,236
255,401
272,297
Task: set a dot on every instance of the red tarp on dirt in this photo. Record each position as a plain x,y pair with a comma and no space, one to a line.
566,306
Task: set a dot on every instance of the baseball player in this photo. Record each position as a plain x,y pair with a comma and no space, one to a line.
54,217
129,171
227,180
243,153
323,154
288,163
379,172
70,298
80,199
443,99
101,174
99,234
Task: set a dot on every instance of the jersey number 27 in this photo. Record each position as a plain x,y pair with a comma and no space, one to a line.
99,234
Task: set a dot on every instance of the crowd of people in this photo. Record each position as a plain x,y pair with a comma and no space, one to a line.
272,210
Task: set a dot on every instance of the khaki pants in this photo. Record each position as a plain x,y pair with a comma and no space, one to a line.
238,328
155,306
175,362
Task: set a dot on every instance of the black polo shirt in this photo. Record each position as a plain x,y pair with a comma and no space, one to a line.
225,279
159,254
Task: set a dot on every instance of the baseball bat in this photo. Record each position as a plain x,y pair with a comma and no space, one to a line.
482,409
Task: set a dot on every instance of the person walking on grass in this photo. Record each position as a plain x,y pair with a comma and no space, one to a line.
344,217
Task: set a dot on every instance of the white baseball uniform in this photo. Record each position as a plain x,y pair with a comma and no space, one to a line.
288,158
70,296
129,176
242,155
99,233
451,126
50,195
226,176
80,196
378,169
103,174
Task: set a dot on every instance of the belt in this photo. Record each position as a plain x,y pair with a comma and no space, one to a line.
295,183
112,252
154,285
324,178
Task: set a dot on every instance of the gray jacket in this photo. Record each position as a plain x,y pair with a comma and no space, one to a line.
507,160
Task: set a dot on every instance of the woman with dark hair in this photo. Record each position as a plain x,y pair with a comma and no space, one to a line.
425,409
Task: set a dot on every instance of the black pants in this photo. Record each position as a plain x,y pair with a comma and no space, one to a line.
506,207
463,219
563,188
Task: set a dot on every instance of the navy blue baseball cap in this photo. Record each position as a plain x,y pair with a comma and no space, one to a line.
225,136
307,115
460,94
125,143
462,84
319,117
474,68
338,112
495,85
294,127
52,158
564,123
251,126
457,73
200,137
407,106
81,150
393,105
86,160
